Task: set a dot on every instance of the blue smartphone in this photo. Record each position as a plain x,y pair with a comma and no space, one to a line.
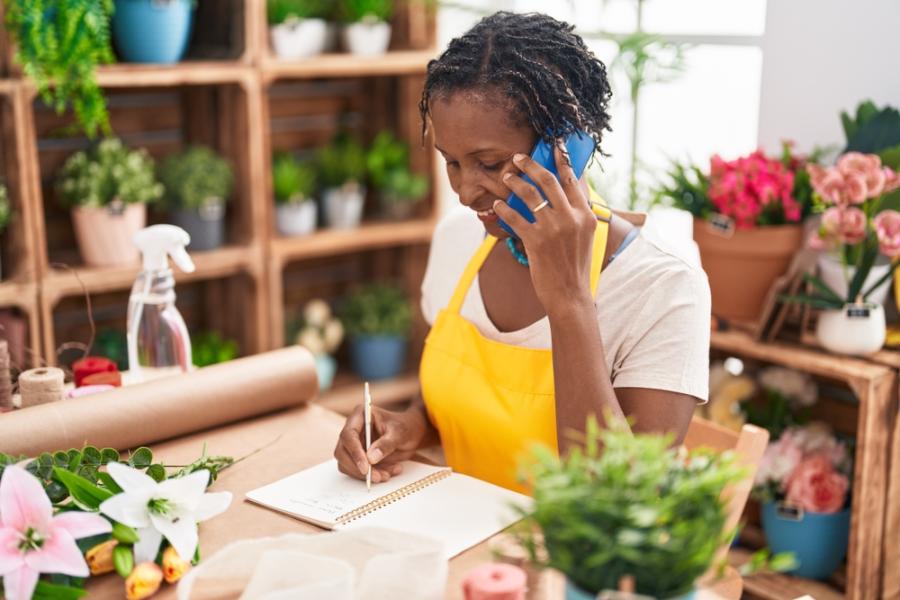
580,146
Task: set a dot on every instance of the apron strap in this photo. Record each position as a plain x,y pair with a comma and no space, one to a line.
600,209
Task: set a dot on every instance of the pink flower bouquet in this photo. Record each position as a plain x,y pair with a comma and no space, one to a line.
806,467
849,196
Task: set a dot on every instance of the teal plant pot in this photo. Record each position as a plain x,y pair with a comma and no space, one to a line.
152,31
378,356
326,367
573,592
818,540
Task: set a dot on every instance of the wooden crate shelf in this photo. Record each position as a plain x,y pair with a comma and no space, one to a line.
875,387
213,264
394,63
327,242
183,73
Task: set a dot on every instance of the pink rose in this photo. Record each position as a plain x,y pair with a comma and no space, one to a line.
847,224
831,221
887,227
778,462
816,175
815,486
857,162
855,190
831,187
891,180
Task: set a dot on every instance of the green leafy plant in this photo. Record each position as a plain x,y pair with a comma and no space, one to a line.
5,208
107,173
292,180
210,348
377,310
194,176
60,43
281,11
686,190
353,11
341,162
387,162
403,186
629,505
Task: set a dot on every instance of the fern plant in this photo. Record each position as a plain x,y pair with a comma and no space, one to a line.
60,44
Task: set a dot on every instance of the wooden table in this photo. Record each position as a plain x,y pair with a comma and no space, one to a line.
291,441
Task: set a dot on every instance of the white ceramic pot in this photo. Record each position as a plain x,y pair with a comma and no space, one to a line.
296,218
299,38
344,206
105,234
832,272
367,38
855,329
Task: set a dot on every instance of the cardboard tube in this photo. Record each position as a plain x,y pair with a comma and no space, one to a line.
165,408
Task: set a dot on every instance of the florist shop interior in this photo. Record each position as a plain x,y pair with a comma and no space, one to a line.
256,339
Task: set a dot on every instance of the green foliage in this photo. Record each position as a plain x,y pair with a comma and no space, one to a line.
123,560
195,175
686,190
60,44
363,10
377,310
106,173
5,208
292,180
112,344
774,413
387,162
54,591
280,11
340,162
628,504
210,348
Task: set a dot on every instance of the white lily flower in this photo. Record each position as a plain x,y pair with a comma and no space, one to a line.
169,509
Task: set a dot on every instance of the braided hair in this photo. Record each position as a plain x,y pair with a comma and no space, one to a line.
554,82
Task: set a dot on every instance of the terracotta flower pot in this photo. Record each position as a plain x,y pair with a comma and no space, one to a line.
741,268
105,234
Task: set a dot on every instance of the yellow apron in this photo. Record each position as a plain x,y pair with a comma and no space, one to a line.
491,402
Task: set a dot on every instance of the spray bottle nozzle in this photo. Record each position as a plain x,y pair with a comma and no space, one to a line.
158,241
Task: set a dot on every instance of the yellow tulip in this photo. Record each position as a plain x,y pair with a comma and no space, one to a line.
144,581
100,557
174,567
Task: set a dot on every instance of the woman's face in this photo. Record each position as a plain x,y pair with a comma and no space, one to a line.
478,137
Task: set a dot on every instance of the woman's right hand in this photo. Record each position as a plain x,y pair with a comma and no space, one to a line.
395,437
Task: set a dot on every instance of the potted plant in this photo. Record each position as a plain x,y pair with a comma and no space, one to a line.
628,506
293,183
298,28
210,348
803,482
378,320
387,162
342,170
367,29
108,188
152,31
854,233
5,210
747,224
321,334
198,184
65,79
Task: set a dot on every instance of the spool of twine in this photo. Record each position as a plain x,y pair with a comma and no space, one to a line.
42,385
6,402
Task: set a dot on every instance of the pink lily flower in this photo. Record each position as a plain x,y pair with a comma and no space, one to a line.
32,540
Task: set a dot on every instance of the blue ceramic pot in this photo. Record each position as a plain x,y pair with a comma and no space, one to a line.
152,31
378,356
326,367
818,540
573,592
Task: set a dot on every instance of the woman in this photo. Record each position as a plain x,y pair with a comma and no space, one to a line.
524,347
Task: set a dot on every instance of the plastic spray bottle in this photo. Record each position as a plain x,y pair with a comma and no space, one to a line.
158,339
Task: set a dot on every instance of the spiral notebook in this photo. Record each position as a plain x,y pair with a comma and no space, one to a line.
457,510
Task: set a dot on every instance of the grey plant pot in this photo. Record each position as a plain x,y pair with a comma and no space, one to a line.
206,226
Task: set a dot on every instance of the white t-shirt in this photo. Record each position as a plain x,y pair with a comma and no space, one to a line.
653,308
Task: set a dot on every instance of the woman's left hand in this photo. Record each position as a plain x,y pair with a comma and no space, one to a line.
559,243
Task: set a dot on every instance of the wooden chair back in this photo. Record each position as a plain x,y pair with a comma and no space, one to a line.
749,446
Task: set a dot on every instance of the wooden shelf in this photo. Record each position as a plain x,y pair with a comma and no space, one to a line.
409,62
223,262
347,392
183,73
777,586
367,237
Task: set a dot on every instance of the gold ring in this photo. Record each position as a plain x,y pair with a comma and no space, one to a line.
543,204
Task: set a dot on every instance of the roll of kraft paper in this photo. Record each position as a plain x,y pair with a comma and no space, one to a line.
169,407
